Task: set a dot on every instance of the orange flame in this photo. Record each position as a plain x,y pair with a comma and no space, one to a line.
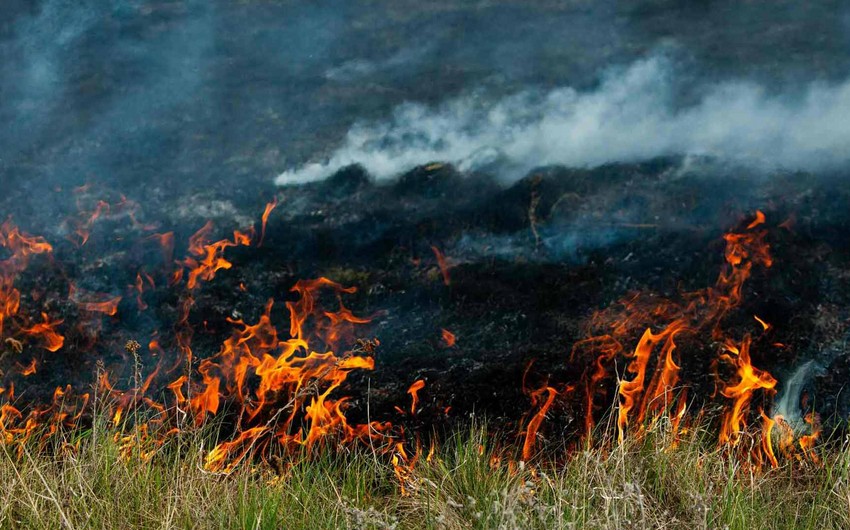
287,391
290,376
750,380
414,394
209,257
46,331
29,369
265,219
648,392
443,263
537,419
448,338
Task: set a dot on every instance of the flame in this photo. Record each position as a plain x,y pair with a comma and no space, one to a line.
265,219
741,393
83,229
443,263
606,347
166,245
82,224
209,257
29,369
653,369
21,248
227,455
278,390
759,220
414,394
143,282
295,384
286,390
662,384
448,337
807,442
46,331
537,419
767,438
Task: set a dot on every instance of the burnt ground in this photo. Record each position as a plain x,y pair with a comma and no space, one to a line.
529,264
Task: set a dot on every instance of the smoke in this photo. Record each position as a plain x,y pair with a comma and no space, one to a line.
32,78
358,69
788,403
633,115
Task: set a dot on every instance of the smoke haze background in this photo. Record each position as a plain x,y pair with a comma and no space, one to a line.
169,99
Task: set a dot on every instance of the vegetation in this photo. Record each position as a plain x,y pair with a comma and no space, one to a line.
91,480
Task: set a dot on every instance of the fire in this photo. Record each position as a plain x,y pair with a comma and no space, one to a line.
143,282
807,442
632,395
701,310
534,424
82,224
759,220
283,391
265,219
46,332
443,263
767,438
663,330
280,383
227,455
741,393
83,229
20,248
209,257
448,337
293,398
29,369
166,245
414,394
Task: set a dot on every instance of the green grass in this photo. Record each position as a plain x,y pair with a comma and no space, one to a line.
643,484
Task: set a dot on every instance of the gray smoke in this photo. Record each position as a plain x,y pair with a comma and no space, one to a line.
632,115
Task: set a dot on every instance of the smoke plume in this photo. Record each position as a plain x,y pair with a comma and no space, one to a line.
632,115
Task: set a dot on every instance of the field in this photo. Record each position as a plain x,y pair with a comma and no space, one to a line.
468,482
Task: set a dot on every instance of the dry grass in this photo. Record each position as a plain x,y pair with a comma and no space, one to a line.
643,484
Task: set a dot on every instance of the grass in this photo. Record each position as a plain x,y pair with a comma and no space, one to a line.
642,484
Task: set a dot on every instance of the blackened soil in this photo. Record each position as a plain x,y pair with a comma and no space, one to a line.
528,264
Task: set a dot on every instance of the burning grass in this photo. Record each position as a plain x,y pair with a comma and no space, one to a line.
270,430
85,479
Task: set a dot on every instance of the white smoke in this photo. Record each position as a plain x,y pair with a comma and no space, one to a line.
631,116
788,404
